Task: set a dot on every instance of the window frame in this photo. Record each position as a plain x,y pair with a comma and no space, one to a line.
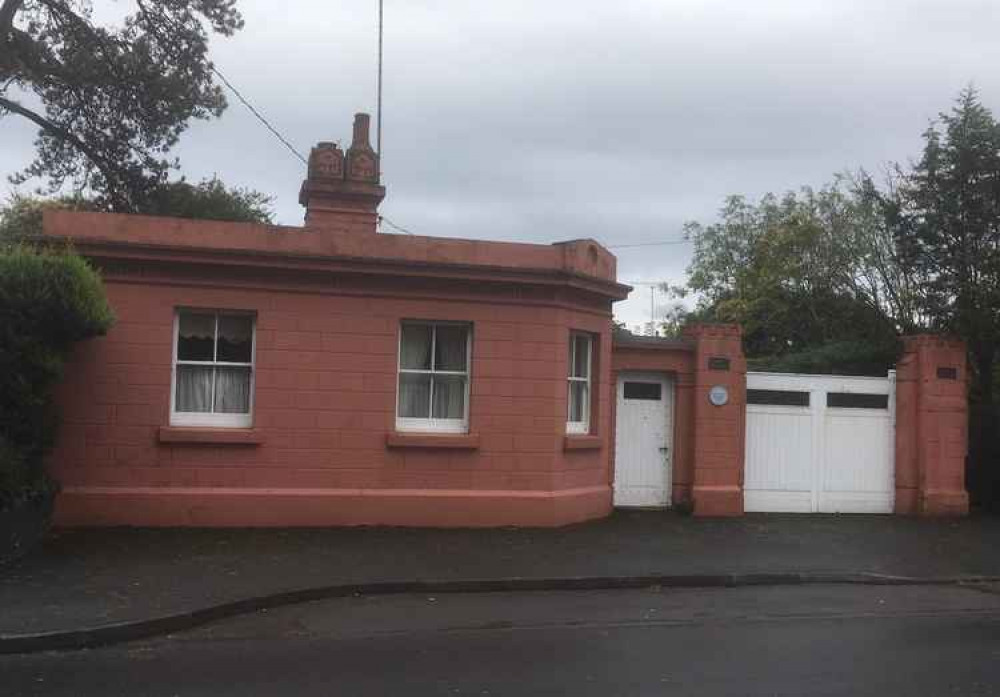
580,427
213,419
415,424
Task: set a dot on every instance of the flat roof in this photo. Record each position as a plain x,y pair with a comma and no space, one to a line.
583,262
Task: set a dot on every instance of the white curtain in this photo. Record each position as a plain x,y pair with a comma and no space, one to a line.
196,337
415,347
450,348
416,389
414,395
194,388
232,390
449,397
577,400
235,339
580,367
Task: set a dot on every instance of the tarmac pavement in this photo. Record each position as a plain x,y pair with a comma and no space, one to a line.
816,640
85,579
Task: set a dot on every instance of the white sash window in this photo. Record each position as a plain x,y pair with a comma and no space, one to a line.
433,386
580,355
213,369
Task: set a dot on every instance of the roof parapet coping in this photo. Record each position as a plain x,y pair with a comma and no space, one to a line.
157,238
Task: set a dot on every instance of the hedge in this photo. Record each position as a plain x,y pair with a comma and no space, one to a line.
835,358
49,300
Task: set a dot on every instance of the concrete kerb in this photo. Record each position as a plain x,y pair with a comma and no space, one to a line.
106,635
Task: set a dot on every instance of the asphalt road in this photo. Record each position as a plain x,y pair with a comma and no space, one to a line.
820,640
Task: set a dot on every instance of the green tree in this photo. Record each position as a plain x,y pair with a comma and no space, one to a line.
21,216
113,99
49,300
947,225
210,199
948,228
807,270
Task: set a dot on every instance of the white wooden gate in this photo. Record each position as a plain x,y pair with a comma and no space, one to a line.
644,426
819,444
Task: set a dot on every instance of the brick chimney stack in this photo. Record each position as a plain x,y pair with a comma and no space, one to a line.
342,189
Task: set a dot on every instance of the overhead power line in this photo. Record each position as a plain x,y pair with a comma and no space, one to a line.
647,244
227,83
260,117
239,95
393,225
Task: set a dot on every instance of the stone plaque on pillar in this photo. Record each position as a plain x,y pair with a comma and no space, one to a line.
947,373
718,363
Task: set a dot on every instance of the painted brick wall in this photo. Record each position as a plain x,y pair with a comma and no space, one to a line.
719,431
324,404
708,440
931,427
329,298
679,364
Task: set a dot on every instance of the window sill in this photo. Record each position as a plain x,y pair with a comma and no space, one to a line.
582,442
214,436
434,441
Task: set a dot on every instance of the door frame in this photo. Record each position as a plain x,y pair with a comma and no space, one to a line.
668,383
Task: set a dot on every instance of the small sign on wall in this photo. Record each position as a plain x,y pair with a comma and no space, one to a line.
718,395
947,373
718,363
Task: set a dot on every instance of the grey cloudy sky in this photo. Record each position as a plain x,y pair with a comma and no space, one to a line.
618,120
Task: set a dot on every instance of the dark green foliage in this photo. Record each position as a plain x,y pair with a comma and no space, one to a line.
983,463
948,227
802,273
209,200
115,98
49,300
856,357
793,323
823,281
21,218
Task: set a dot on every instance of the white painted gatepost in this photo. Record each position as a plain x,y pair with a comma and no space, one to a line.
819,444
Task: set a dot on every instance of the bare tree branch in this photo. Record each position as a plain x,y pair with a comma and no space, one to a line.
7,12
115,97
65,135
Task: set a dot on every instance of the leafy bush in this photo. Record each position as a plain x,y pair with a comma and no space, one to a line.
21,217
210,199
49,300
834,358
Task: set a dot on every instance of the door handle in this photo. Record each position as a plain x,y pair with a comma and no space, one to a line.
664,449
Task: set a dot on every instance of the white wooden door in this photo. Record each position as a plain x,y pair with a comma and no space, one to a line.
643,442
819,444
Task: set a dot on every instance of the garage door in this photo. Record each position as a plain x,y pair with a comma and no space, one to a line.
819,444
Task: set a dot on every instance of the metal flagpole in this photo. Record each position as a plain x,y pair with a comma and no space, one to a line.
652,310
378,104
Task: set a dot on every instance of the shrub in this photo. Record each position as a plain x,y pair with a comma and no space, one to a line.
873,358
49,300
21,216
209,199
